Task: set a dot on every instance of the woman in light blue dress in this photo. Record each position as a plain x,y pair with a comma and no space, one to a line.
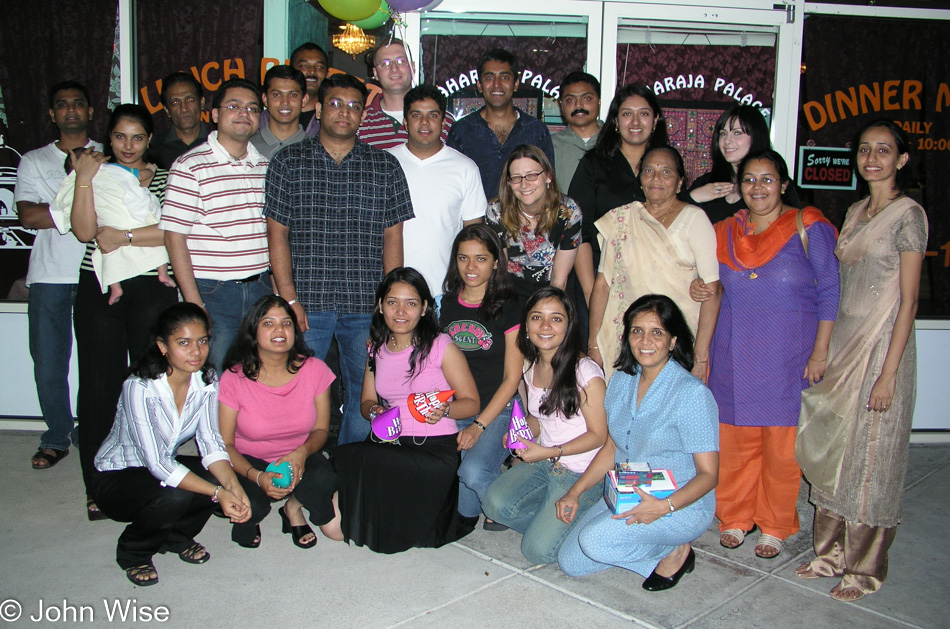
657,412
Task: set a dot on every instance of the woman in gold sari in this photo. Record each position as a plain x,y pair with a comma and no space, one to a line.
855,424
656,247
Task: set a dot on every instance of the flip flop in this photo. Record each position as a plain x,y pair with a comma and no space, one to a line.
43,461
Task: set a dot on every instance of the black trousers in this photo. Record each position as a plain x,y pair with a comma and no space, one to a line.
161,518
107,338
314,491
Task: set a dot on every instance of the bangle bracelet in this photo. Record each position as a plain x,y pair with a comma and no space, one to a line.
480,425
214,496
258,479
291,302
592,347
81,186
560,453
670,500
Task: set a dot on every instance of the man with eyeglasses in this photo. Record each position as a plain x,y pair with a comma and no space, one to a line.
580,105
489,135
383,124
215,232
183,102
335,208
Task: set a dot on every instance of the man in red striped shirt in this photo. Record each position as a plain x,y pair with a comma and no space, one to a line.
383,125
215,231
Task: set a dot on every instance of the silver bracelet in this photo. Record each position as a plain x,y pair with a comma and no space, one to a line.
669,499
214,496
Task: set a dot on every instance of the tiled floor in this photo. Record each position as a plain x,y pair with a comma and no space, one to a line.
49,551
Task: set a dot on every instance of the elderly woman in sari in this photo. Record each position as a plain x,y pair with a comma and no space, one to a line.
658,246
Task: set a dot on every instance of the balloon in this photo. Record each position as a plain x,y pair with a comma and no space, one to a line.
408,5
422,404
518,429
431,5
387,426
286,477
377,19
350,10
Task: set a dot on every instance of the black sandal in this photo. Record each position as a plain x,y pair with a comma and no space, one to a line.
296,532
43,461
254,543
190,554
135,572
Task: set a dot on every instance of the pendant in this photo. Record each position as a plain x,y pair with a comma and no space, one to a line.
753,275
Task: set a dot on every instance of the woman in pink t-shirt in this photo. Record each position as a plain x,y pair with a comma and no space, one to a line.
404,494
564,393
274,407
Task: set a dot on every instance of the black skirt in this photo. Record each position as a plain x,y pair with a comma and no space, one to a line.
399,496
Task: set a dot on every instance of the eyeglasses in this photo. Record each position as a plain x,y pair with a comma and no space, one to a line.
751,181
399,62
336,103
515,180
252,110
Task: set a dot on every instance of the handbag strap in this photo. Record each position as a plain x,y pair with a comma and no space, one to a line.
800,223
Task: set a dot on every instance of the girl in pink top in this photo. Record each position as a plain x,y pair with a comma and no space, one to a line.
395,497
274,407
564,392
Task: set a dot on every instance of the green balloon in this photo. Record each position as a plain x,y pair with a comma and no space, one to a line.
350,10
377,19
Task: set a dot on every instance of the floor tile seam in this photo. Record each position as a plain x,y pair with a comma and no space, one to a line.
528,573
461,597
728,600
926,476
735,562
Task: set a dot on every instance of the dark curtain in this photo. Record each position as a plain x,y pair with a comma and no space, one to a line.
843,53
212,40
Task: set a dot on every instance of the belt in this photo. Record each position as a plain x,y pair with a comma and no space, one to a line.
248,280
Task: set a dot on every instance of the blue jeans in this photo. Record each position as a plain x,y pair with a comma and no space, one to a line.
351,332
481,464
50,315
524,498
227,303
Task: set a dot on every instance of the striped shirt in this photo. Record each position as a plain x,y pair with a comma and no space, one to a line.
385,132
148,429
217,203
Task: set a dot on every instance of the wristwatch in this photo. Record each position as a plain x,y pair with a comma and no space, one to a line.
129,236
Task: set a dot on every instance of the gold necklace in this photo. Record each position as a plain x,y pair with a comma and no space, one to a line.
395,347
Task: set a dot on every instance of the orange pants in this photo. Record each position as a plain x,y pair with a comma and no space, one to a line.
759,479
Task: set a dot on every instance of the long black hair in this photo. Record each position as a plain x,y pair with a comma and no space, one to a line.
609,139
564,395
499,290
153,363
135,113
243,352
752,122
427,330
902,181
673,321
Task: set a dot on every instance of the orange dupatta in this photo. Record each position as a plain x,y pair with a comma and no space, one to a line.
734,246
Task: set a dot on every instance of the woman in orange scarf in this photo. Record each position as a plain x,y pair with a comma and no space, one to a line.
780,280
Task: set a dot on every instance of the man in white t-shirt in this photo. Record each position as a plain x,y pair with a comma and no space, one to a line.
383,125
445,186
54,267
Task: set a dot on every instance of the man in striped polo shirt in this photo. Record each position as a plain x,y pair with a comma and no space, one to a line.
215,231
383,125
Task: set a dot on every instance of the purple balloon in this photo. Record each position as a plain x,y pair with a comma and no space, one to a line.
408,5
387,426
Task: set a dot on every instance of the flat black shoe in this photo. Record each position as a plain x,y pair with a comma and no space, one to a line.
296,532
491,525
658,583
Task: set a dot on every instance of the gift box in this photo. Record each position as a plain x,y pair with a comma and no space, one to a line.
621,498
634,474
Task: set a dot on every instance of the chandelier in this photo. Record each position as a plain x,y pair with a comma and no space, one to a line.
353,40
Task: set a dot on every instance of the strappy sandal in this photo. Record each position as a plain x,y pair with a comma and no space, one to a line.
42,460
296,531
135,574
768,541
192,554
739,534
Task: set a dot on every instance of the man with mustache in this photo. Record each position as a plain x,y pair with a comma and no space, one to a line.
580,105
489,135
183,102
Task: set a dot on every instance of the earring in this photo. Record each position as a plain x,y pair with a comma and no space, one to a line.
548,185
